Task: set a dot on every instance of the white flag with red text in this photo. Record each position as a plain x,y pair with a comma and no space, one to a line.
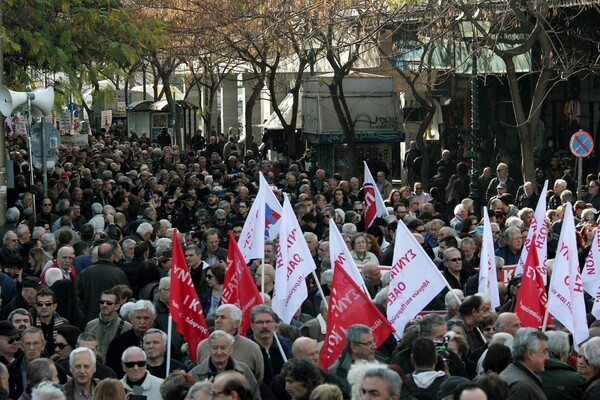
565,296
184,306
415,280
540,228
294,264
488,276
373,202
590,275
340,256
261,224
239,288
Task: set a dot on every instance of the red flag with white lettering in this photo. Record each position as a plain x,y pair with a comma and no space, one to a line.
373,202
532,300
348,305
184,306
238,276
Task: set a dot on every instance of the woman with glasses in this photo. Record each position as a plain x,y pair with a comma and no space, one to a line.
359,252
64,344
211,299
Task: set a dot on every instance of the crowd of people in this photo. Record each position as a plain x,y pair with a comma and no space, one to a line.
85,284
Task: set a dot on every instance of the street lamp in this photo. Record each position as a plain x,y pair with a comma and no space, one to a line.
472,30
144,67
309,50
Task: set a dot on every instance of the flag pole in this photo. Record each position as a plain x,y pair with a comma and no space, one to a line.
314,274
545,320
280,347
169,333
262,276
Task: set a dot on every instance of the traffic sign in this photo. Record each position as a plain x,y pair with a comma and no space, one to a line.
581,144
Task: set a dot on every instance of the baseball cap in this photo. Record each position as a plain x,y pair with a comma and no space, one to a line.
8,329
32,282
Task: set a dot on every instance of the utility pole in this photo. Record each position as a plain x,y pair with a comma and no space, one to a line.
3,187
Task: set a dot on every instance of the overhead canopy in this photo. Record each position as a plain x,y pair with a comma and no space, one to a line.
142,105
150,90
286,107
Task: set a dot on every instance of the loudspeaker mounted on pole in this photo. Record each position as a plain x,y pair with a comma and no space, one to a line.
41,100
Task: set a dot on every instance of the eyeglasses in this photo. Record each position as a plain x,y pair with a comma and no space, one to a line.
131,364
107,302
420,230
45,303
60,346
13,340
359,209
220,219
209,276
214,393
369,343
455,259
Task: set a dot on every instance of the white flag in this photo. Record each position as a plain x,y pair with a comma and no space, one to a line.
540,228
294,264
373,202
340,256
263,217
415,280
565,297
488,277
591,275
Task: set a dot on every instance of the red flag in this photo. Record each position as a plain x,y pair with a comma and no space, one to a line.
532,300
348,305
184,306
238,276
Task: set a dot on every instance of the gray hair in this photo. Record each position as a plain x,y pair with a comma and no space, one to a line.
81,350
451,299
449,251
511,230
86,337
514,221
394,385
592,351
38,370
354,331
48,241
48,391
142,305
467,241
13,215
262,309
202,386
234,312
327,277
428,322
162,245
558,343
165,337
21,229
127,242
349,228
381,297
527,339
218,334
163,282
144,229
561,182
126,353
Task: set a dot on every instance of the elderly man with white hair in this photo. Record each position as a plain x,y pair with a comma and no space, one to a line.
134,364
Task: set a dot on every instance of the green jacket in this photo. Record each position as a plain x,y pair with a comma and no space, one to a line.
560,381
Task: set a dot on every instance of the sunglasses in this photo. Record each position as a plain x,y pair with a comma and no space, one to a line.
455,259
358,210
60,346
108,302
45,304
13,340
209,276
131,364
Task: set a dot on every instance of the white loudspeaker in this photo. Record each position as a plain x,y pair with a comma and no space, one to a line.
41,100
10,100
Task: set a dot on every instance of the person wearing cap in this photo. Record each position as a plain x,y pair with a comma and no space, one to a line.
184,218
502,177
10,338
101,275
25,297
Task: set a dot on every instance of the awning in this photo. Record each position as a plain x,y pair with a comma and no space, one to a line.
286,106
142,105
163,105
455,55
